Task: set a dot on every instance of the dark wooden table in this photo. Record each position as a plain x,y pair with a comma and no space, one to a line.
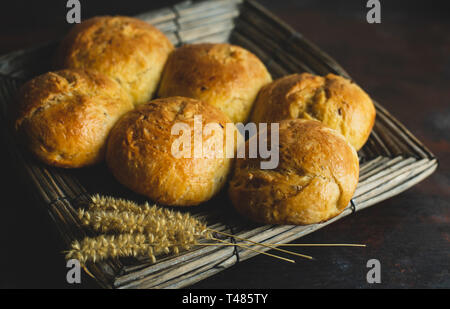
404,63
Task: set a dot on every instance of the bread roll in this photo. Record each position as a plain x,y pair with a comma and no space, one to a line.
335,101
314,181
223,75
64,117
127,49
145,153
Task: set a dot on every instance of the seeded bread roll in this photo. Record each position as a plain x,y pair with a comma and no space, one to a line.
64,117
223,75
314,181
335,101
152,151
127,49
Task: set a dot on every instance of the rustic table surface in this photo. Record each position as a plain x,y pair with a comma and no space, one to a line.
403,63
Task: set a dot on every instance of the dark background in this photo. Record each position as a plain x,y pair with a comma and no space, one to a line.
403,63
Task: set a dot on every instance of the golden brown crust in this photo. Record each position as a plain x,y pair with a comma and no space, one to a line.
335,101
223,75
315,179
127,49
139,152
64,117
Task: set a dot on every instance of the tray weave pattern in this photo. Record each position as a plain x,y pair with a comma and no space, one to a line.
392,161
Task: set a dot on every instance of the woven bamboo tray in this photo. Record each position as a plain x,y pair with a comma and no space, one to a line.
392,161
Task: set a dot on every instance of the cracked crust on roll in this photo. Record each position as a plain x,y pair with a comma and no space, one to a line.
64,117
223,75
314,181
335,101
127,49
140,152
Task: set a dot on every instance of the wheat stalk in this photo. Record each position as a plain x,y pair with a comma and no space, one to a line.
123,245
265,245
128,229
173,225
226,243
